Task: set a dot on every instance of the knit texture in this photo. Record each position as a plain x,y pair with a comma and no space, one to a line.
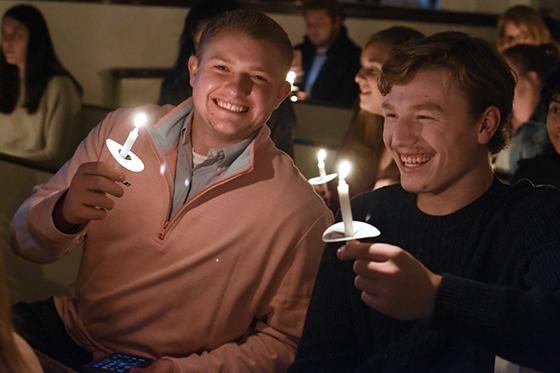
500,261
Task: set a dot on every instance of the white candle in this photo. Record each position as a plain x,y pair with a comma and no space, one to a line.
291,78
321,156
344,198
139,120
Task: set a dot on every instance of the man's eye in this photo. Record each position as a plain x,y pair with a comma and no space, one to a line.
424,117
220,68
260,78
390,115
554,109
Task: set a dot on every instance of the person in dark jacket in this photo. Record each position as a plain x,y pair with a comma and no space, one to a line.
329,59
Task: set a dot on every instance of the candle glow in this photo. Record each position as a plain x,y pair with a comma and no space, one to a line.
140,119
321,156
291,78
344,169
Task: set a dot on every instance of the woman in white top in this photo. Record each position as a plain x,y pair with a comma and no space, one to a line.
39,99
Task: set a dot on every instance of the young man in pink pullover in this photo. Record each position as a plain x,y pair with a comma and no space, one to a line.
207,261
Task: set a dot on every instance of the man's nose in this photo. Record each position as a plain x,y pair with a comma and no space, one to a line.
240,84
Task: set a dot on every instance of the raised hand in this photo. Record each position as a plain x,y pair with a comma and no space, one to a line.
87,197
392,281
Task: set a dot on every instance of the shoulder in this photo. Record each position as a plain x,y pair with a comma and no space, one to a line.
528,201
27,354
382,199
62,83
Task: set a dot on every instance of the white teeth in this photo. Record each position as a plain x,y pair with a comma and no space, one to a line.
414,160
231,107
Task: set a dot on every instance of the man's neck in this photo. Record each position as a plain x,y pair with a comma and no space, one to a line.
460,194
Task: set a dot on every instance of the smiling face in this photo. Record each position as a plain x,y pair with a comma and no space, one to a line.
372,59
15,38
439,148
553,122
237,83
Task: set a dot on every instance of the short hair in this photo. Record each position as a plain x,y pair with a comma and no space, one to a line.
523,15
333,7
394,37
538,58
253,24
481,73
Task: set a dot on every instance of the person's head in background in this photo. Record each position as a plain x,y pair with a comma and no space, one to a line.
552,96
238,76
448,102
531,65
200,12
27,55
323,20
374,54
521,24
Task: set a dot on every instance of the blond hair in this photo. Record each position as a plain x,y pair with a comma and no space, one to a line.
523,15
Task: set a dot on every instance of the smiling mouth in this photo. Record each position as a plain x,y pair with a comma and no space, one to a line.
414,161
231,107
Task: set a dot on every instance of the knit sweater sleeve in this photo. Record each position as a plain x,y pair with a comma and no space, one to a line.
520,325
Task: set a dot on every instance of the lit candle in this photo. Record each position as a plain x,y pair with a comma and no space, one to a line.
291,78
344,197
321,156
139,120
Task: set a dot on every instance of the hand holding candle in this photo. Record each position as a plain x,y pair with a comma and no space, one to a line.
344,198
139,120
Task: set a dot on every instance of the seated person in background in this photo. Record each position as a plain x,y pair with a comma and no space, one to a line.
521,24
39,100
373,166
15,354
175,87
466,267
531,64
187,265
545,167
329,59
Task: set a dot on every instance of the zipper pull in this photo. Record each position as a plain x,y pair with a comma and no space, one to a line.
163,230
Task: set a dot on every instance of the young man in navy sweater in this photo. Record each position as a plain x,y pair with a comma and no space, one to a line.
466,268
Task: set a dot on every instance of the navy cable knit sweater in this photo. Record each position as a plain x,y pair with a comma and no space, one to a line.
500,261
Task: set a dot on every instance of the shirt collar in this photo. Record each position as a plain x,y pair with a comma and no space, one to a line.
224,155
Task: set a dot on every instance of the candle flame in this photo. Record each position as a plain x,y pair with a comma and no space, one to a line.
293,98
321,155
344,169
291,77
140,119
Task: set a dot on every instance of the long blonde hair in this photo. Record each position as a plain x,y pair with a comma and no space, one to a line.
10,358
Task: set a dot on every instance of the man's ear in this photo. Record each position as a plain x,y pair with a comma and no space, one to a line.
283,92
192,65
489,124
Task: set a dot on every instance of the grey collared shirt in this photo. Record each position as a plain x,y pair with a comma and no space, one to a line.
190,180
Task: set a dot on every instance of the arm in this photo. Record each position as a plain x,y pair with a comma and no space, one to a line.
270,345
34,235
60,126
520,325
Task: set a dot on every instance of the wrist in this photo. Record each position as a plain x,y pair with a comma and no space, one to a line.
60,222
